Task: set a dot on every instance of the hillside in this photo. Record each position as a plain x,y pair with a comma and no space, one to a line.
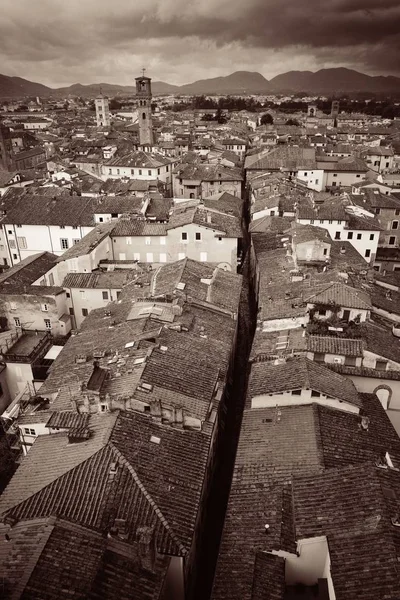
240,82
333,81
13,87
325,81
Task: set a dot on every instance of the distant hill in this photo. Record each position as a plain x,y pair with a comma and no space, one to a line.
13,87
240,82
333,81
325,81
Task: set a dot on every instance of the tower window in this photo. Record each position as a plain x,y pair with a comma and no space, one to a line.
144,116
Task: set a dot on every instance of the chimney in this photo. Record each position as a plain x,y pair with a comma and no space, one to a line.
155,409
146,547
179,416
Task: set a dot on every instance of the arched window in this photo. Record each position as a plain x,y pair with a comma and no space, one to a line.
144,116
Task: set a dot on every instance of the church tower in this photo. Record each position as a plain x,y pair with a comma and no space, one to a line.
102,111
143,94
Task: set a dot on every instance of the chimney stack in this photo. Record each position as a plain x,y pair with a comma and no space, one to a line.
146,547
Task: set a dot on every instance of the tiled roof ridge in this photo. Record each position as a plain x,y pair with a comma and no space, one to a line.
32,562
148,497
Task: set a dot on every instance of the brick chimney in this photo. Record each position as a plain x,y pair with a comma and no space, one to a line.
146,547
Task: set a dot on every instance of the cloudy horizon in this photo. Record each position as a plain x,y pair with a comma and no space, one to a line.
180,41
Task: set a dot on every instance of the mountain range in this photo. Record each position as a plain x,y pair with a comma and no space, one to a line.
325,81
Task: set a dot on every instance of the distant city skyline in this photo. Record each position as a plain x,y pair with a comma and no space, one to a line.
180,41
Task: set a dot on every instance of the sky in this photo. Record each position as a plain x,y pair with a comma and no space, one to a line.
61,42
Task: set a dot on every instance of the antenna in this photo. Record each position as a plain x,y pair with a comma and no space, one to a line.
143,71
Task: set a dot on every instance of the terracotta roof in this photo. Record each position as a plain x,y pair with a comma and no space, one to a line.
29,270
32,208
334,345
343,295
140,159
300,373
89,242
99,280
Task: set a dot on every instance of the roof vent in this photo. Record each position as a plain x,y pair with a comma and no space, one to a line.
396,520
365,423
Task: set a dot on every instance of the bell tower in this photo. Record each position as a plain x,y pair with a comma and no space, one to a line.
143,94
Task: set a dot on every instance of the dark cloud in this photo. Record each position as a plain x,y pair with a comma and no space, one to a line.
89,39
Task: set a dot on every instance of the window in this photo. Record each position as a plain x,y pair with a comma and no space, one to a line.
162,241
319,356
117,171
325,251
350,235
64,243
62,226
105,295
371,237
359,236
305,174
198,236
311,221
132,171
149,172
380,365
75,227
397,211
203,256
68,295
337,235
136,256
158,171
395,224
101,219
17,322
149,257
15,256
44,308
315,394
316,181
140,171
85,312
109,171
163,257
148,241
321,221
71,312
21,241
184,236
29,431
10,232
335,174
367,253
350,361
75,241
47,323
12,244
51,279
392,240
377,211
129,241
339,222
322,312
296,392
82,293
19,225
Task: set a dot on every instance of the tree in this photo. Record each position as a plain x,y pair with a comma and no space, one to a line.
115,104
267,119
293,122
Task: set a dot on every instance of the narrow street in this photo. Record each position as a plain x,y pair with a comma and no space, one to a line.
222,479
